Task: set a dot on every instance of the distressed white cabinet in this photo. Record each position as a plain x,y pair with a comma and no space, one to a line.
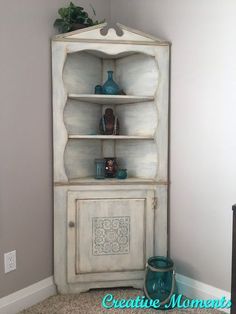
104,230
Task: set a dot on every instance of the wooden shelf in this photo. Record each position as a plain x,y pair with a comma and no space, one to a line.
110,99
110,137
109,181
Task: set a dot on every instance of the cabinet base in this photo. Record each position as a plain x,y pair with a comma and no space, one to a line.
84,287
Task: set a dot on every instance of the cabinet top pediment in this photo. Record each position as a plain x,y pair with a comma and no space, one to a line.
94,34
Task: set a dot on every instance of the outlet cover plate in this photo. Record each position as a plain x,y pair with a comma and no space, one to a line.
10,261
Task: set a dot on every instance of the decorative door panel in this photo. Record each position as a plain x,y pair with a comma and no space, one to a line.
107,235
110,235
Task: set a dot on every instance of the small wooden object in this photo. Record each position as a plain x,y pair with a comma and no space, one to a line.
109,123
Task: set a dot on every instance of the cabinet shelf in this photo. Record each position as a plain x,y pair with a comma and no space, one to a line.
110,137
110,99
109,181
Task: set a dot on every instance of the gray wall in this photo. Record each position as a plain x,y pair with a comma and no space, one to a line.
25,132
203,128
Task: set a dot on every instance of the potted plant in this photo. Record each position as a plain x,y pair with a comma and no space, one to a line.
74,17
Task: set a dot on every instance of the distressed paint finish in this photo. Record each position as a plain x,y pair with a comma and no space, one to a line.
141,67
65,204
82,117
59,101
83,209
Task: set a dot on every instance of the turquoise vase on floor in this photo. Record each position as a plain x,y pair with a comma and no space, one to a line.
160,280
110,87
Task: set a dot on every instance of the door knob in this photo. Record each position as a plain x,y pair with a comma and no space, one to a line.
71,224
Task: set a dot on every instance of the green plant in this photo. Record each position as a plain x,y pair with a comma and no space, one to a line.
72,16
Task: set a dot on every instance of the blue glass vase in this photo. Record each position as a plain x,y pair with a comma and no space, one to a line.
110,87
98,89
99,168
160,280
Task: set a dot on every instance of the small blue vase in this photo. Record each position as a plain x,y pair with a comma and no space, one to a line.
98,89
110,87
121,174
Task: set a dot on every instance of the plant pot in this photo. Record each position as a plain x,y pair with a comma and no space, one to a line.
78,26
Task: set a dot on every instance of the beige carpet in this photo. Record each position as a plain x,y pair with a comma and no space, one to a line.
90,302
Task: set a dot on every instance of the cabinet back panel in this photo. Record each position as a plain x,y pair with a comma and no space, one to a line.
138,157
79,158
82,117
138,74
82,72
137,119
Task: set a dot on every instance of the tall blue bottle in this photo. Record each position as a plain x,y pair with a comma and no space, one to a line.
110,87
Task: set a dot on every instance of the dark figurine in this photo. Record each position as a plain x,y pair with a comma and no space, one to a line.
109,124
110,167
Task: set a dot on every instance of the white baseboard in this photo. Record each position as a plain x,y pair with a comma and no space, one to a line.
27,297
43,289
194,289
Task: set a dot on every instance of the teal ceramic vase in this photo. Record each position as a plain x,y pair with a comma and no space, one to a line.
110,87
121,174
160,280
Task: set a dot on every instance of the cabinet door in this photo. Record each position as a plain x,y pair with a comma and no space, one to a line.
109,233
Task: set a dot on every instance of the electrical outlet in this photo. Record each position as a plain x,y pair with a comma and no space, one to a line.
10,261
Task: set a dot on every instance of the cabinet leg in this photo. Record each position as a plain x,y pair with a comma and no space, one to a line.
138,286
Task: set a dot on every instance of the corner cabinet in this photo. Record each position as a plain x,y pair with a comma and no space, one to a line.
105,230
